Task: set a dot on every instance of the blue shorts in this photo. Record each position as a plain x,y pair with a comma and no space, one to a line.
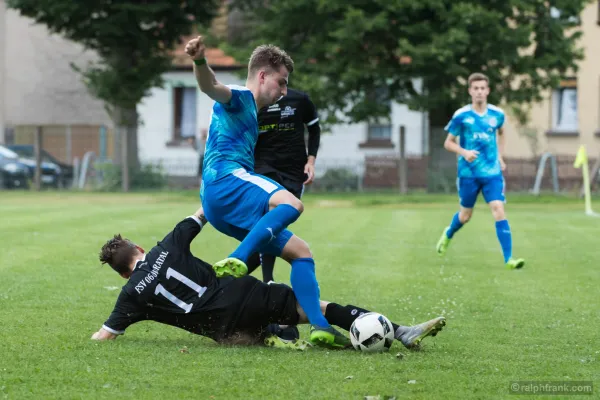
236,202
492,189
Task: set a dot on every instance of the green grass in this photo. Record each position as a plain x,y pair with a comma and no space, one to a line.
540,323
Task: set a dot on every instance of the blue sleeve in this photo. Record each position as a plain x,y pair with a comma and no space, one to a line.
236,102
454,126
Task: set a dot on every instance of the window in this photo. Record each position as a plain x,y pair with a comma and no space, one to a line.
184,112
380,132
564,107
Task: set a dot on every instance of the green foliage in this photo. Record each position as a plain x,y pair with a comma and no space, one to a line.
337,180
147,176
345,50
132,38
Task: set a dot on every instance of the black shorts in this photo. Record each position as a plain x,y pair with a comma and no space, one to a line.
247,306
295,187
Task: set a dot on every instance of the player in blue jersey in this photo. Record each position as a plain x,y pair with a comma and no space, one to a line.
242,204
478,127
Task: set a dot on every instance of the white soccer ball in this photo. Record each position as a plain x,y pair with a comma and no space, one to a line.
371,333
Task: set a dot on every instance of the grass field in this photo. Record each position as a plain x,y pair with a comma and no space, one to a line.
539,323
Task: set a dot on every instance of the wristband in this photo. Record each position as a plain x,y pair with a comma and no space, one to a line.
200,62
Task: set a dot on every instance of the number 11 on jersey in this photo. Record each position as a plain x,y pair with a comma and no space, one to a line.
171,273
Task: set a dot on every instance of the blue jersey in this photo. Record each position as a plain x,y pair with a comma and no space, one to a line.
477,132
232,135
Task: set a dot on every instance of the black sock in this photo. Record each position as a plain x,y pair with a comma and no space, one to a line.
253,262
344,316
268,264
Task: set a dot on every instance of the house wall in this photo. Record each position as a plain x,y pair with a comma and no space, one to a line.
340,147
40,87
588,103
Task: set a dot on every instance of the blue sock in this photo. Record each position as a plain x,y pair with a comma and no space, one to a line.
306,289
505,238
269,226
455,225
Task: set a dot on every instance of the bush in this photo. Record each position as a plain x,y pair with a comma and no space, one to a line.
336,180
148,176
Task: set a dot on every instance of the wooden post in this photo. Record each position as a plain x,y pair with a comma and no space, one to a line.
402,164
69,144
37,149
124,158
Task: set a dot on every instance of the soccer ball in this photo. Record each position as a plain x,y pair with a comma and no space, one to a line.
371,333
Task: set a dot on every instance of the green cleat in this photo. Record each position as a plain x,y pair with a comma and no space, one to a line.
279,343
443,243
515,263
328,337
230,267
411,338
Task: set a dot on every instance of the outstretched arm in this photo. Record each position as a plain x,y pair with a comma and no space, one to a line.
103,334
204,74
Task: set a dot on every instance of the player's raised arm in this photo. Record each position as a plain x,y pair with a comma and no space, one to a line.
204,74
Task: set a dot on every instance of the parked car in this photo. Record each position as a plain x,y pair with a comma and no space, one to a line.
13,173
54,172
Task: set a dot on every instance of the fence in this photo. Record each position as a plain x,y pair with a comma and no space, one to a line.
434,173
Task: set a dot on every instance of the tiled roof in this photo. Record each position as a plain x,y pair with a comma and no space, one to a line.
216,57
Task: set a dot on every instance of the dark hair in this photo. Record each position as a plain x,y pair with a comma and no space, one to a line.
269,56
118,253
478,76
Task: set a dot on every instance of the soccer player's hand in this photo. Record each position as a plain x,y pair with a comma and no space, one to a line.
196,48
309,170
502,164
470,155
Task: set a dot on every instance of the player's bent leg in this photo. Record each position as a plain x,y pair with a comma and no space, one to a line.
459,219
306,289
282,197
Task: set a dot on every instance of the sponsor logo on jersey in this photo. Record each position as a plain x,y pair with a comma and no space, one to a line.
482,136
287,112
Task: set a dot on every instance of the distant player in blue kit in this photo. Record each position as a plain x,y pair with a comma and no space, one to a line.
479,130
242,204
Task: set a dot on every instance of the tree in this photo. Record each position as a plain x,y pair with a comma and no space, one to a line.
344,51
133,40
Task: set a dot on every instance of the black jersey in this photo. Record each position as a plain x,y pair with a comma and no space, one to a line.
170,285
281,146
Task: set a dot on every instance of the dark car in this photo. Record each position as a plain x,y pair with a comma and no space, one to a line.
54,172
13,173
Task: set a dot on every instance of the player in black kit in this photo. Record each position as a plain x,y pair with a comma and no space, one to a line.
281,152
171,286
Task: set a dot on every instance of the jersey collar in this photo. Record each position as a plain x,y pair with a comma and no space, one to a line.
140,260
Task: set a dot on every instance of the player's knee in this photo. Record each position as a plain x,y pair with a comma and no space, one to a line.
303,250
498,210
465,216
285,197
296,248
